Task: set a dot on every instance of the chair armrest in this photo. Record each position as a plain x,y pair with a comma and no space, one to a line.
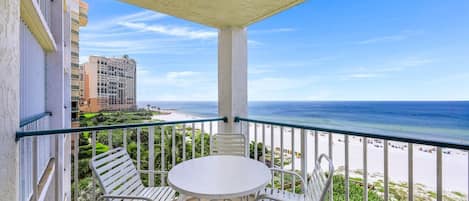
303,183
125,197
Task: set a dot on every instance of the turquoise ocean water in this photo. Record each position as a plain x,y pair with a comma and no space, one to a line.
425,118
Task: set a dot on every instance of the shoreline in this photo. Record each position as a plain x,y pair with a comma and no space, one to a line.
455,165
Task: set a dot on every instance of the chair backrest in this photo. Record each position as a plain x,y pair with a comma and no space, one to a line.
320,180
116,172
228,144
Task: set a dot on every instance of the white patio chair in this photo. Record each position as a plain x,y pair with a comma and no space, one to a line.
228,144
315,190
120,180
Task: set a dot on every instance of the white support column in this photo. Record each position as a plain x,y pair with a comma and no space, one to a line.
9,98
232,76
67,151
55,63
56,90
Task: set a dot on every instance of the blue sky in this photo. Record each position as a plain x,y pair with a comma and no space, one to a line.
319,50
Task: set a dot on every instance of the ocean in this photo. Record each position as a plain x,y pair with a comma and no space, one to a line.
437,118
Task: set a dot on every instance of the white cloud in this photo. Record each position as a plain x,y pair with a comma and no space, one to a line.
254,43
181,74
362,75
258,71
276,30
143,33
415,61
83,59
176,85
112,22
380,70
391,38
179,31
142,16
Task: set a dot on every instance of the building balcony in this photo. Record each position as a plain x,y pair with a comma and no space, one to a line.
39,159
275,144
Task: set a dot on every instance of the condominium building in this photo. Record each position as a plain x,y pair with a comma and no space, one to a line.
110,84
78,11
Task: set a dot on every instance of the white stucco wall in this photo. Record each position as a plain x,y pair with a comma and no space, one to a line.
32,69
9,97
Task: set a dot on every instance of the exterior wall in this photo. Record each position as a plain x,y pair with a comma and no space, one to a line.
9,97
32,61
110,84
39,94
31,51
32,102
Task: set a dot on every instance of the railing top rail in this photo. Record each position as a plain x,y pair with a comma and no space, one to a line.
34,118
21,134
432,140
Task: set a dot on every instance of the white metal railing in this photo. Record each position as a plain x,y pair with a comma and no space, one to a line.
300,141
157,147
151,156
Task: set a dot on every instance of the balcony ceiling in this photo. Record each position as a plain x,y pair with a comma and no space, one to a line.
218,13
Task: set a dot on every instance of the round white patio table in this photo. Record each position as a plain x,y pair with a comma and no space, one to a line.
219,177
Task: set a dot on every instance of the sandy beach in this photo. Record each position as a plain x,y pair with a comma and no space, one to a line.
455,162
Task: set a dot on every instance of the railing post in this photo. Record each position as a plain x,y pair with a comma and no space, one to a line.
173,145
281,157
386,171
272,149
410,161
263,143
138,149
163,156
304,155
255,142
365,169
439,174
293,156
210,139
93,154
151,156
316,146
248,138
202,139
183,142
331,189
193,140
346,185
109,138
124,138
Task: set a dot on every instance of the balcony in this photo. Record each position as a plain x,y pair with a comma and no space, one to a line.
292,147
42,146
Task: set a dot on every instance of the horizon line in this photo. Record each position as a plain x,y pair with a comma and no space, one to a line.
364,100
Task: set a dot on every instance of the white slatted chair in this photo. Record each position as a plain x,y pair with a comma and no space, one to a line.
228,144
120,180
315,190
